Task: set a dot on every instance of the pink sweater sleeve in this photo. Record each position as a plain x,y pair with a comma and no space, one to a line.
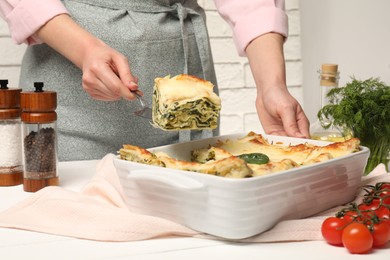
252,18
25,17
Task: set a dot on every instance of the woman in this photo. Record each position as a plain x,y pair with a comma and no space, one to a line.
95,51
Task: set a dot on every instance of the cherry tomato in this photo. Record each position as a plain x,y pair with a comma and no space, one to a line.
381,234
350,216
332,229
385,194
366,208
385,186
384,215
357,238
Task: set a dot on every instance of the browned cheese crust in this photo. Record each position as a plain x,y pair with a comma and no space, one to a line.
221,159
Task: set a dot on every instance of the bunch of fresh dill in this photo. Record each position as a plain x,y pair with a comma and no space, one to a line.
363,106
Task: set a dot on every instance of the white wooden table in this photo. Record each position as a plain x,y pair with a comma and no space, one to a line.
20,244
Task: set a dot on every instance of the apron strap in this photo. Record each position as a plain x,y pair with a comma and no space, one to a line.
201,37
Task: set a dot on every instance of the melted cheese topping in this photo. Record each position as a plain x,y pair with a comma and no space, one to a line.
184,88
253,143
300,154
232,167
222,160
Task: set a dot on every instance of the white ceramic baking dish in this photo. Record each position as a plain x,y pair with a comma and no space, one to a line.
238,208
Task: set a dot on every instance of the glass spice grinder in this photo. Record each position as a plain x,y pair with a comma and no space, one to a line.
11,168
39,133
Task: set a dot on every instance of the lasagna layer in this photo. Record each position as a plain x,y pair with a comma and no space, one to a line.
185,102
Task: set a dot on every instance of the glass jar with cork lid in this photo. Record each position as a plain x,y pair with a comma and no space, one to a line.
39,132
322,129
11,164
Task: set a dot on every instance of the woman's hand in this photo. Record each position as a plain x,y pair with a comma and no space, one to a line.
278,111
106,72
281,114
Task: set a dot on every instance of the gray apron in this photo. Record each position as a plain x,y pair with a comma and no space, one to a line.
159,38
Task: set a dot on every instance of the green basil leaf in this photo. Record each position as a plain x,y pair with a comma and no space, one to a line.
254,158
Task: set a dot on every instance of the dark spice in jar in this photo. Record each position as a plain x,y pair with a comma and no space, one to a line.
40,153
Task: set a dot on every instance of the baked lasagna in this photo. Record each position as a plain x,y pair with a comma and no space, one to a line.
185,102
249,156
280,156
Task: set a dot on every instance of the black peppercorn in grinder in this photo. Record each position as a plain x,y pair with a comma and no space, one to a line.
39,138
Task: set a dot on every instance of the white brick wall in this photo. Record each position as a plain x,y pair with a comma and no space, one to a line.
237,87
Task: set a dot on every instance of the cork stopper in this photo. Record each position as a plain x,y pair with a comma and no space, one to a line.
329,75
329,69
38,106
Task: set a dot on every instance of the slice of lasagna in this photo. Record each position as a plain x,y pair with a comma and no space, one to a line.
185,102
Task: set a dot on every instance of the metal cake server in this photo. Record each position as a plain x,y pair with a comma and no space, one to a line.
145,111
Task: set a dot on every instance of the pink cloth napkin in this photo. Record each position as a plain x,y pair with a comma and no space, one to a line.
98,212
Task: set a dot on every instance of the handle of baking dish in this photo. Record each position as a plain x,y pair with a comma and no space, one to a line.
177,181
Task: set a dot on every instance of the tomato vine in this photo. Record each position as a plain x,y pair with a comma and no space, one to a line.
361,226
